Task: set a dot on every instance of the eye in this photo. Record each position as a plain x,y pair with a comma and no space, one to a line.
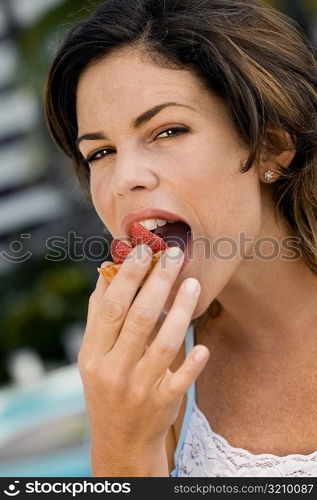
171,132
98,155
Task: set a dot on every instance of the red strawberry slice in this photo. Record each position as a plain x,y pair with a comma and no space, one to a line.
140,235
119,251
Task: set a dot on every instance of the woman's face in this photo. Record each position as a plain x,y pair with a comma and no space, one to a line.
185,159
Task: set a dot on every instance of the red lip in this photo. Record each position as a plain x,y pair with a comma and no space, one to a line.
148,213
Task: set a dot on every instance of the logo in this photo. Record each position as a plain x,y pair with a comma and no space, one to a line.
12,490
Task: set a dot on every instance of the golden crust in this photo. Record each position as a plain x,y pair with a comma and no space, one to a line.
109,272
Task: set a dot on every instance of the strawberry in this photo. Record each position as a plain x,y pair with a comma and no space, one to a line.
119,251
141,235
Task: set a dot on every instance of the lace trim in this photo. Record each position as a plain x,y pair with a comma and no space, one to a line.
207,454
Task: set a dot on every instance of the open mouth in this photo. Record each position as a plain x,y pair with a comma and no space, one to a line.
158,234
175,234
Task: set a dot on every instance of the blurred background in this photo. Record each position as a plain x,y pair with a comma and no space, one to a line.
45,285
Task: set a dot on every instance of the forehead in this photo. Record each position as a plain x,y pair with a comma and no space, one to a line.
127,80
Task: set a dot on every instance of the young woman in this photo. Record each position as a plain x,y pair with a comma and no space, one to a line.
205,112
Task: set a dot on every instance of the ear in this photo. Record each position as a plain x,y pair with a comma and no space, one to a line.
278,152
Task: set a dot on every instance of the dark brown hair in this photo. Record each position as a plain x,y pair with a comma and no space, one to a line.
249,54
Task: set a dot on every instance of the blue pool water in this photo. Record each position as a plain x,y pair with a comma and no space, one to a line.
43,428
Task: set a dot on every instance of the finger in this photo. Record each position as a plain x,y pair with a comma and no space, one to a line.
96,296
168,341
147,307
180,381
112,308
94,300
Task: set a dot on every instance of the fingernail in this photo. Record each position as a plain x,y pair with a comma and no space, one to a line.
174,254
191,286
200,355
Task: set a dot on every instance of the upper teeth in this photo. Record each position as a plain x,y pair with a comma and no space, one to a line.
151,224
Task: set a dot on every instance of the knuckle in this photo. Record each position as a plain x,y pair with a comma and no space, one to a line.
142,317
164,273
111,311
95,373
138,394
171,390
92,297
80,357
131,271
113,380
87,366
165,349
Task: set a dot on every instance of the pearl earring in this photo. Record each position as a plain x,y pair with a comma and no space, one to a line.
268,175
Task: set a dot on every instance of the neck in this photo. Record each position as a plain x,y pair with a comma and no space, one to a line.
273,302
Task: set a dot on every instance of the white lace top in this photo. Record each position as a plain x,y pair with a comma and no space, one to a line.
201,452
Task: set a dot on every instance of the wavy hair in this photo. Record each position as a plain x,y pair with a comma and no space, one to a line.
252,56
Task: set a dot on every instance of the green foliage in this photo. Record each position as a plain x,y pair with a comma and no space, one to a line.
39,299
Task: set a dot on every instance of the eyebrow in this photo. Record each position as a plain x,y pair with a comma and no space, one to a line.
136,123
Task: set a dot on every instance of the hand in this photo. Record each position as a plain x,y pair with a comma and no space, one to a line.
132,396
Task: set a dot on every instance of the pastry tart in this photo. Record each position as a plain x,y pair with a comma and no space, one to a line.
109,272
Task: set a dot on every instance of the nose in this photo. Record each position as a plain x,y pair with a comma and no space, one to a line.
133,172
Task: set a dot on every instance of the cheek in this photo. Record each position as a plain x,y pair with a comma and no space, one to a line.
95,191
100,195
228,206
237,204
227,201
